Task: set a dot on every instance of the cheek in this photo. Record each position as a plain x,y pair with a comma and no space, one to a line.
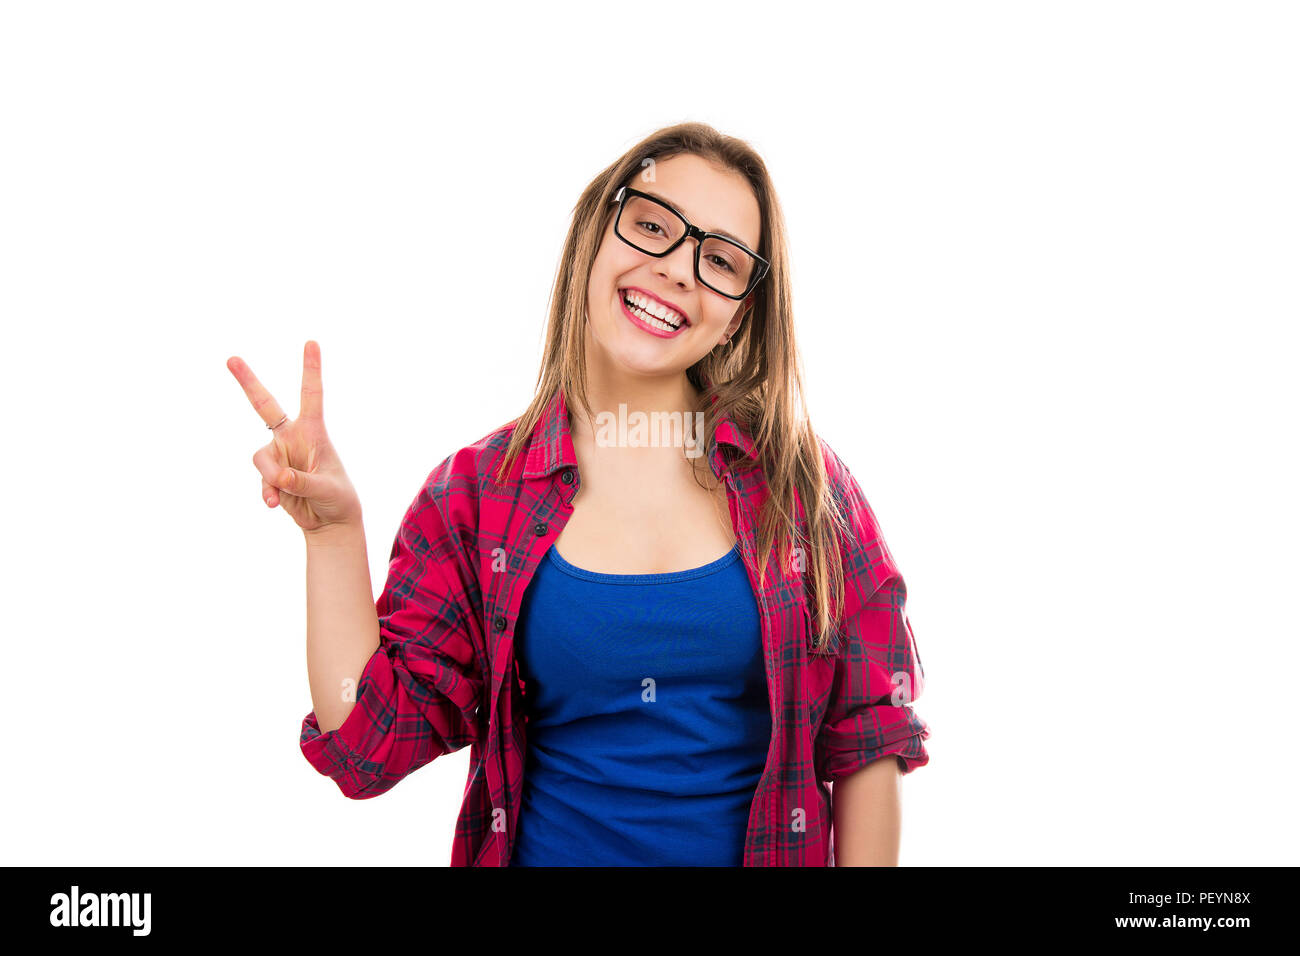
611,266
602,276
606,266
717,314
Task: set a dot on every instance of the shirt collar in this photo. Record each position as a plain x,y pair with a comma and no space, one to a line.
551,447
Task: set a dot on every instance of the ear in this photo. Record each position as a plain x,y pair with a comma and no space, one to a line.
735,322
746,306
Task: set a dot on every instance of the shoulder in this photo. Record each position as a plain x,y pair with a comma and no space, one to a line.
836,470
469,468
457,484
865,547
841,481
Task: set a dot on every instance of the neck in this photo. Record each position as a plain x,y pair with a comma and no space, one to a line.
609,386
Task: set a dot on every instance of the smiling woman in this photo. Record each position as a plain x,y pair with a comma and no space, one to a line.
656,656
650,244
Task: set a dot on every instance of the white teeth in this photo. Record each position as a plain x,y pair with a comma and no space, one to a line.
656,309
652,320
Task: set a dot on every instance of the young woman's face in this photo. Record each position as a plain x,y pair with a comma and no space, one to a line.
714,200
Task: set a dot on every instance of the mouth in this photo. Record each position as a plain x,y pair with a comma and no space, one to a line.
653,313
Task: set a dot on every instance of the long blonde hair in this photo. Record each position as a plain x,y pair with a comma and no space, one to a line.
756,376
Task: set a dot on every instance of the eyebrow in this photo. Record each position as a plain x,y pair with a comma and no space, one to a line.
719,232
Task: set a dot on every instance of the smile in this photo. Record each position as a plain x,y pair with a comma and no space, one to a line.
652,314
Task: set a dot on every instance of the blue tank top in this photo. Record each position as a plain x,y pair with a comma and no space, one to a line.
648,719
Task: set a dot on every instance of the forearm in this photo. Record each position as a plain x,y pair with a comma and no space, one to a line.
342,623
868,815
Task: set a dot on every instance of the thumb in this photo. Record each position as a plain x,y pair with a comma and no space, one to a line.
304,484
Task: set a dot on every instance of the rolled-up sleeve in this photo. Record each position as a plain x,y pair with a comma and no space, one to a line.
877,672
418,696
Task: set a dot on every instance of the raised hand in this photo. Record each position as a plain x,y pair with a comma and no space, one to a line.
300,469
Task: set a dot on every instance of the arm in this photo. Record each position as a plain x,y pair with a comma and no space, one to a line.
418,692
870,736
868,815
342,625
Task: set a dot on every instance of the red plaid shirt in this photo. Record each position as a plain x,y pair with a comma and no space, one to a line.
444,674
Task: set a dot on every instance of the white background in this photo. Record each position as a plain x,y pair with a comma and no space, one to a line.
1045,287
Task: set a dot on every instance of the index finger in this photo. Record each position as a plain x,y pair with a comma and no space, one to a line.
261,399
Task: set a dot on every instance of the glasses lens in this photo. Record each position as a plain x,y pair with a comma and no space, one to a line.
725,266
648,225
653,228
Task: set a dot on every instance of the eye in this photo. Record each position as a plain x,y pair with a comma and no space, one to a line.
721,262
647,226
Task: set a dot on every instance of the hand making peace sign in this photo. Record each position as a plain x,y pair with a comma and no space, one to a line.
299,467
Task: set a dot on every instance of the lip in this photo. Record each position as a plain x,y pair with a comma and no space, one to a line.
650,328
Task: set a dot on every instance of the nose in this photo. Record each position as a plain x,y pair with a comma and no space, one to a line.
678,267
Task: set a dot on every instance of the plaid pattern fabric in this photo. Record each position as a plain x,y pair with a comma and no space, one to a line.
444,675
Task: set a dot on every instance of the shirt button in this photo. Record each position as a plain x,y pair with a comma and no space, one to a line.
499,624
567,476
539,528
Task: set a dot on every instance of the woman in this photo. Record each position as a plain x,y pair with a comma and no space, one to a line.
656,605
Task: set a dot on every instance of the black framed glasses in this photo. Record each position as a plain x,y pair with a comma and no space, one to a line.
650,225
